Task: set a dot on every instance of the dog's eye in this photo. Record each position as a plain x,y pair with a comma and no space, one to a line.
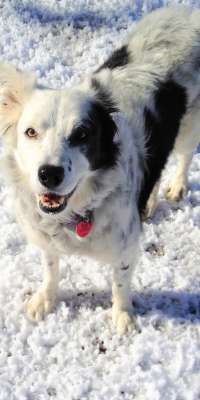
82,135
30,132
79,136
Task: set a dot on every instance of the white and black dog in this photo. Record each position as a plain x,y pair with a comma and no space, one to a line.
85,163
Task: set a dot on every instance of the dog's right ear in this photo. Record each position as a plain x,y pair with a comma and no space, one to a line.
15,87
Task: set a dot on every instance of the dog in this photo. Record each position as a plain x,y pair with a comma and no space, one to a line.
84,163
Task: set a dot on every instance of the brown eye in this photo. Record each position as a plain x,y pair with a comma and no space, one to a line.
30,132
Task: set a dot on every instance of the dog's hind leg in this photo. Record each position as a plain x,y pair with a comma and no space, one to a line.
187,140
178,185
151,203
175,189
43,300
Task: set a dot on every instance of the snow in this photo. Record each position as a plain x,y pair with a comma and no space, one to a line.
75,353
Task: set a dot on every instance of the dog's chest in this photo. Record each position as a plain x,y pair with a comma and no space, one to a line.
102,242
60,238
96,244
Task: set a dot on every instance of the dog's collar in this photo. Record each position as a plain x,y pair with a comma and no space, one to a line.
81,225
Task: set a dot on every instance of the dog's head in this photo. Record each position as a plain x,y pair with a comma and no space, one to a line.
59,138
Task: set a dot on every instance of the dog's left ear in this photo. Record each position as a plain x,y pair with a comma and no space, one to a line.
15,87
102,95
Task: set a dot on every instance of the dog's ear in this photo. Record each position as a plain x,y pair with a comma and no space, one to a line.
15,88
103,96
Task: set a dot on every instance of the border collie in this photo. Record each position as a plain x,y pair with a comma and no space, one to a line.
84,163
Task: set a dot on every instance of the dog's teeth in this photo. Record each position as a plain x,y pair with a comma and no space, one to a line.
51,202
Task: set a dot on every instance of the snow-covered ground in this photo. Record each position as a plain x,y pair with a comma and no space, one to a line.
75,353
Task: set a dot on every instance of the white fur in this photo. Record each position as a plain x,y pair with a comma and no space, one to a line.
166,40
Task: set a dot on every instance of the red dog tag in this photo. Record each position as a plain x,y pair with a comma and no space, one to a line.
83,228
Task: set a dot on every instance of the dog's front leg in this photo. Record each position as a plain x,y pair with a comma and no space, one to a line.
43,300
122,308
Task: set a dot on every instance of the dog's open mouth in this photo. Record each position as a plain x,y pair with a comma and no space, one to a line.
53,203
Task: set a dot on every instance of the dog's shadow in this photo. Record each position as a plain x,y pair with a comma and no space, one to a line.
28,11
180,306
77,17
44,15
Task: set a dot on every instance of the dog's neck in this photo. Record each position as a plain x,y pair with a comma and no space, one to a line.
95,190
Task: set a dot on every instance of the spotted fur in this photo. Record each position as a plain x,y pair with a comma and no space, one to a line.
111,135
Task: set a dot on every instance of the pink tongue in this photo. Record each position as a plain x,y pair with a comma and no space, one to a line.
83,228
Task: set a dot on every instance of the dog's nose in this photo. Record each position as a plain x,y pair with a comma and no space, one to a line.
50,175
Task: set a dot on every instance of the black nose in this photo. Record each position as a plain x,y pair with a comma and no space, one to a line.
50,175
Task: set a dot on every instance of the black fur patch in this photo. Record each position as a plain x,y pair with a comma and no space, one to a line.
119,58
161,131
95,137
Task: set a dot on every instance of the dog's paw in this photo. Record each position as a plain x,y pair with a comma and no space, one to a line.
150,208
148,212
40,304
175,192
122,320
